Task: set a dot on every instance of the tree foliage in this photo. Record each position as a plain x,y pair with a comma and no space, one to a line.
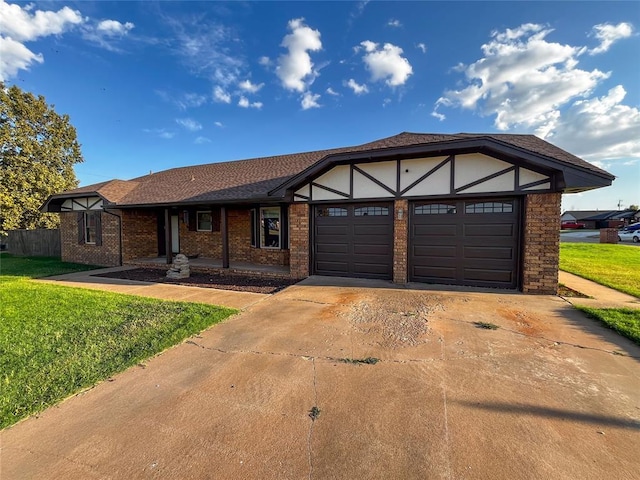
38,149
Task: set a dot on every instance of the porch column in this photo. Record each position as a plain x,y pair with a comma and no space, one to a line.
167,235
224,233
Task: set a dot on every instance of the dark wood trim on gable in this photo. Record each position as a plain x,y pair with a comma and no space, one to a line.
373,179
487,178
426,175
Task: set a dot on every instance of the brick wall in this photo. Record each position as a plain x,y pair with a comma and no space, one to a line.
239,226
204,244
400,241
299,240
139,234
107,254
541,248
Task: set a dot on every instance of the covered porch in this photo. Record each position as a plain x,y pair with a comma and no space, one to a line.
216,265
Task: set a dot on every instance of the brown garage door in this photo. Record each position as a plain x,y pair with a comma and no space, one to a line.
472,242
354,240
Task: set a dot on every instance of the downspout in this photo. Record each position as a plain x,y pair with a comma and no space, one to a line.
119,232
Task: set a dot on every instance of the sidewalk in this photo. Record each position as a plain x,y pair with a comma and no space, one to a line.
602,297
164,291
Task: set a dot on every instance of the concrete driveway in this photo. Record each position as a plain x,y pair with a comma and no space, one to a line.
549,394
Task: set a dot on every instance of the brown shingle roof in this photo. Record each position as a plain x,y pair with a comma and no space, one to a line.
254,178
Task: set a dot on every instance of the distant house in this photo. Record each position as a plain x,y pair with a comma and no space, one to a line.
601,218
463,209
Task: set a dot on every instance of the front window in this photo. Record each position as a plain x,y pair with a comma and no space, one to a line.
90,227
435,209
373,211
270,227
204,221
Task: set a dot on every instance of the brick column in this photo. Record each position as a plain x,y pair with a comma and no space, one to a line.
541,250
299,240
400,240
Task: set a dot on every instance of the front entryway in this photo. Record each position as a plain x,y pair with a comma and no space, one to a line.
354,240
465,242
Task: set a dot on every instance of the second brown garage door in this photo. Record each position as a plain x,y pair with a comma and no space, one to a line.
354,240
473,242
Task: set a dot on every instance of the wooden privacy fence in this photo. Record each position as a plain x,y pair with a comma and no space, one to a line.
41,242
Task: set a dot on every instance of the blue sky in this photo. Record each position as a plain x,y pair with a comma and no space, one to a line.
155,85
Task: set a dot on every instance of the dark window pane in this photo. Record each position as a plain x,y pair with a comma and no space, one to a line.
489,207
270,227
372,211
435,209
331,212
204,221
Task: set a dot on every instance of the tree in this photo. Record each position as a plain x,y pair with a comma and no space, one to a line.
634,207
38,149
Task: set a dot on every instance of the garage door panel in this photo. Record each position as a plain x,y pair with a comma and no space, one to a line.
491,253
446,230
332,248
488,275
434,274
448,251
380,269
371,250
467,247
489,230
335,267
330,231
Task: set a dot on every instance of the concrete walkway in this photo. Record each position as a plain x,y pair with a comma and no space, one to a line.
601,296
164,291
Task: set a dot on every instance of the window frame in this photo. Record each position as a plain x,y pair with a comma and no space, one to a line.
87,227
198,229
261,237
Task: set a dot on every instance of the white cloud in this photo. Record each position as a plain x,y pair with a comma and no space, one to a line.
264,61
310,100
22,26
201,140
394,22
219,124
18,25
332,92
295,69
523,79
183,101
386,63
160,132
422,47
247,86
205,47
385,102
14,56
114,28
438,115
600,129
609,34
357,89
189,124
220,95
245,103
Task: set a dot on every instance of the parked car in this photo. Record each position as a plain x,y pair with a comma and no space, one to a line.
626,235
568,224
634,227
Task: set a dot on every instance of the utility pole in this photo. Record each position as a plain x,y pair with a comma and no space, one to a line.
619,205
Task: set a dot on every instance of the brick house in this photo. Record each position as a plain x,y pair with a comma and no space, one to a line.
463,209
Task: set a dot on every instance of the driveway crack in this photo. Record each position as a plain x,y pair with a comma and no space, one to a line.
313,419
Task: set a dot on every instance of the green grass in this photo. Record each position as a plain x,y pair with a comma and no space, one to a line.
625,321
615,266
34,267
55,340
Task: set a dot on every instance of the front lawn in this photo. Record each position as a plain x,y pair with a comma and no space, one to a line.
55,340
625,321
615,266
